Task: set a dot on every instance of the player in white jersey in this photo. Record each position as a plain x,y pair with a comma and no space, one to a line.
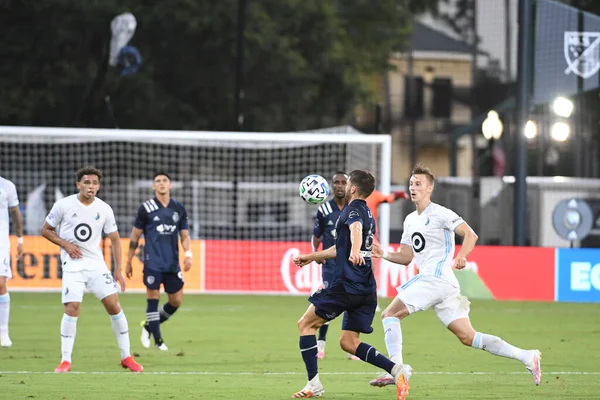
76,224
429,236
8,201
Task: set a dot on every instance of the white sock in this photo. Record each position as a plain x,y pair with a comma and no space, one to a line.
68,330
393,338
121,330
495,345
4,312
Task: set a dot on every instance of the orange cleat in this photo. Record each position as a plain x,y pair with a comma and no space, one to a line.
64,366
131,364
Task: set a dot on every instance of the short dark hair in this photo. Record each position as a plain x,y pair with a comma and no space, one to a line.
421,169
340,173
159,173
88,170
364,182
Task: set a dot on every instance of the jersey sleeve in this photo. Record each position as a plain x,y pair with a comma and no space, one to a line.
406,239
13,199
183,221
55,216
110,224
319,227
141,218
451,220
353,216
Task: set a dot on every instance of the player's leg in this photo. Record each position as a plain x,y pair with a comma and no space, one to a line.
327,276
151,326
358,319
73,286
173,283
4,310
103,286
464,331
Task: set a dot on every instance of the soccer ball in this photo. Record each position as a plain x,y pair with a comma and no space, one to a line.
314,189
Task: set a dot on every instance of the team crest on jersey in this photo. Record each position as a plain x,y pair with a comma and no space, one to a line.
150,280
582,53
175,217
427,221
97,217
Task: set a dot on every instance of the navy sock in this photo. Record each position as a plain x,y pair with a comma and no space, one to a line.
323,331
368,353
152,319
167,312
308,349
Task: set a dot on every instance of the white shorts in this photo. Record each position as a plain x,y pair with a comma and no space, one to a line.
5,263
424,291
100,282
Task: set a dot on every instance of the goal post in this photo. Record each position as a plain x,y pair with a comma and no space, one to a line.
240,190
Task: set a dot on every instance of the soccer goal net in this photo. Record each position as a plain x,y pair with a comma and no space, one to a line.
240,190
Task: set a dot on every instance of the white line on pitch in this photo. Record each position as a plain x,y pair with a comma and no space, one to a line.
288,373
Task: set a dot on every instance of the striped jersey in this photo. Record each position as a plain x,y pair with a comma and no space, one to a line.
324,227
431,235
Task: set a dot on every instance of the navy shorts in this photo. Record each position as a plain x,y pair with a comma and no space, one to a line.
359,308
328,274
172,281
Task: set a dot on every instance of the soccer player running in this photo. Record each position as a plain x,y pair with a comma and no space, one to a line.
9,201
429,234
352,290
324,231
162,220
76,223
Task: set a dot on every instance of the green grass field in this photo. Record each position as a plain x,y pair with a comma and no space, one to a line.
246,347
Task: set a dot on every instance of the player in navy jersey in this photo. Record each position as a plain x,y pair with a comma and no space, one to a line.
324,232
163,221
352,290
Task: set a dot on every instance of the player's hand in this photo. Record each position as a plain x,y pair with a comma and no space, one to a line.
129,270
303,259
72,250
120,279
20,251
401,195
356,259
459,263
187,264
377,251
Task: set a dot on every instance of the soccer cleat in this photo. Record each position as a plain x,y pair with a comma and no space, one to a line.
535,366
162,346
131,364
382,380
5,340
64,366
145,338
353,357
402,374
320,349
309,392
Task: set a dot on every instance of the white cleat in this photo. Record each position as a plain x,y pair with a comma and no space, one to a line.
382,380
312,389
402,374
162,347
352,357
145,338
534,366
320,349
5,340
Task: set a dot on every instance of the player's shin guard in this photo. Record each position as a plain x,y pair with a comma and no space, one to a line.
121,330
308,349
495,345
393,338
153,318
68,330
167,311
368,353
4,312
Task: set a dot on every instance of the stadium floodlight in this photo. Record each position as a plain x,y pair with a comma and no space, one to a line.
492,127
530,129
562,107
560,131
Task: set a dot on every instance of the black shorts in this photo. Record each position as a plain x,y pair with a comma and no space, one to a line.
359,308
172,281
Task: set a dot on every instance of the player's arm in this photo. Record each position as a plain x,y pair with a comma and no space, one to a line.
134,241
49,232
17,219
315,242
318,256
186,243
356,243
115,245
403,257
318,230
469,240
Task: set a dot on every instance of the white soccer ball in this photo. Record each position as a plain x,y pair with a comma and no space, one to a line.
314,189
